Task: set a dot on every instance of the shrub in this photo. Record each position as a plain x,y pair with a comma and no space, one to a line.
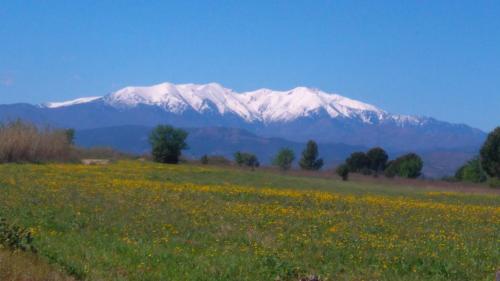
24,142
167,143
357,162
310,160
204,159
494,182
15,238
407,166
490,154
343,171
284,159
472,171
378,159
246,159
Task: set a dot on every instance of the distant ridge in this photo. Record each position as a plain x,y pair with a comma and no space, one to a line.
297,115
263,105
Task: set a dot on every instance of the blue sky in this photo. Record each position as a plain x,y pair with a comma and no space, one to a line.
433,58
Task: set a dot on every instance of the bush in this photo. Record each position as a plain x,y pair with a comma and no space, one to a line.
204,159
24,142
471,172
378,159
490,154
343,172
310,160
167,143
357,162
407,166
246,159
15,238
494,182
284,159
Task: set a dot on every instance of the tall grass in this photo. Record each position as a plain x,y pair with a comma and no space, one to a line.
25,142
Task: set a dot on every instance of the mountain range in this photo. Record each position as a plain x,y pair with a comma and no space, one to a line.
296,115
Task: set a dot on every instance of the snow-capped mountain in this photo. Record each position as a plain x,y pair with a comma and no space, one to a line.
263,105
298,115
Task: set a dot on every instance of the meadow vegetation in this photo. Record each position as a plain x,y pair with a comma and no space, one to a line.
136,220
25,142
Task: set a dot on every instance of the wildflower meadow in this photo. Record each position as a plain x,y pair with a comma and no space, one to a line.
136,220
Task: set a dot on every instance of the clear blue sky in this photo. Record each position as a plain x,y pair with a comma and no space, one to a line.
433,58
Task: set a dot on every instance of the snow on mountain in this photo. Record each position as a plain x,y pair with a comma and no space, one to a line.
272,106
263,105
71,102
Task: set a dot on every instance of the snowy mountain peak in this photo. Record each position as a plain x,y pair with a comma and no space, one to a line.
70,102
262,105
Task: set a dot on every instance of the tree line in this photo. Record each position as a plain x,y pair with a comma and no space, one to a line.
25,142
168,142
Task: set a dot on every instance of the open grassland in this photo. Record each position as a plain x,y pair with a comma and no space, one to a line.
145,221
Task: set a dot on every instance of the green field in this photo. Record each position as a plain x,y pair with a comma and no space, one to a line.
143,221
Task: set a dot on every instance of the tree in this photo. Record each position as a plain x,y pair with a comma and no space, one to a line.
284,159
357,162
490,154
309,160
472,171
246,159
167,143
343,171
407,166
70,135
378,159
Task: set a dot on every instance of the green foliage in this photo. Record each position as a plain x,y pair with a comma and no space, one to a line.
357,162
490,154
378,159
494,182
15,238
342,171
70,135
309,160
204,159
472,171
407,166
246,159
167,143
284,159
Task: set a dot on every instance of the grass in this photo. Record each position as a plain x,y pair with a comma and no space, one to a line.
20,266
144,221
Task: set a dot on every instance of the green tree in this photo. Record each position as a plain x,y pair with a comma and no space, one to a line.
407,166
357,162
472,171
490,154
167,143
378,159
70,135
284,159
309,160
246,159
342,171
